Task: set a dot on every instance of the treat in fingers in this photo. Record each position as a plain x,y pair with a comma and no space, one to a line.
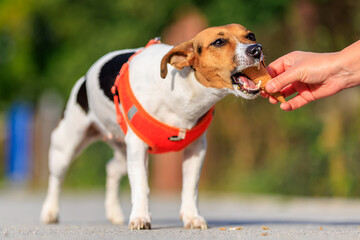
260,74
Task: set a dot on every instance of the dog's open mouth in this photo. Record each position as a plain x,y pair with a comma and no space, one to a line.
244,85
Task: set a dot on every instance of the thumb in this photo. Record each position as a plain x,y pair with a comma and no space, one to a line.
280,81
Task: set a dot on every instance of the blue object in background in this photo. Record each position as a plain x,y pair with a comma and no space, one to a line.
19,142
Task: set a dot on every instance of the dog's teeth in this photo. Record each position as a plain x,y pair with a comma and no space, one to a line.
258,84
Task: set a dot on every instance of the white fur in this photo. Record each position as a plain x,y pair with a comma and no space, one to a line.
179,100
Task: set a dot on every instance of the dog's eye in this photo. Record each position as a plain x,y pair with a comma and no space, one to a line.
219,42
251,37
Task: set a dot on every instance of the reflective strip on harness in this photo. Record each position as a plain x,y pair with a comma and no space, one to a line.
131,112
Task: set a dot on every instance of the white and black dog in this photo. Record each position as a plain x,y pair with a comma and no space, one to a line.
201,72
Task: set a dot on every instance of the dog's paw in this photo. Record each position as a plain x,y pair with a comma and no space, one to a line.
115,215
196,222
49,214
139,223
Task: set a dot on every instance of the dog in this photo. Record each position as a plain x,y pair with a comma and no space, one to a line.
176,86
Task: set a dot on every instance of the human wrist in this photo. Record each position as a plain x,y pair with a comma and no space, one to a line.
347,63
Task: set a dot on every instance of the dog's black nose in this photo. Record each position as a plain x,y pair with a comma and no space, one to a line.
254,51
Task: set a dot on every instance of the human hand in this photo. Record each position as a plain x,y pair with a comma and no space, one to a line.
311,75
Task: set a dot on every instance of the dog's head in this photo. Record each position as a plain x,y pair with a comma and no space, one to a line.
218,55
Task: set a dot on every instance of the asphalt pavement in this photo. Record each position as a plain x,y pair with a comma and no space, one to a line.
228,216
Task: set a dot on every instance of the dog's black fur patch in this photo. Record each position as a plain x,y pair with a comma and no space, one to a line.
82,98
109,72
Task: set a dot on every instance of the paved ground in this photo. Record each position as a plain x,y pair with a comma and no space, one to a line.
82,217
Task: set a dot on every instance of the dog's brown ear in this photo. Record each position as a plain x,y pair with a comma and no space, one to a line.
179,56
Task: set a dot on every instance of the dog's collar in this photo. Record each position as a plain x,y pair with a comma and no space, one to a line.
159,136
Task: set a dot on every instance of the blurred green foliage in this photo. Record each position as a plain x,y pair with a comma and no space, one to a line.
253,146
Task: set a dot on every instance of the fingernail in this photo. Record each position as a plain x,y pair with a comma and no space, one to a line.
285,106
270,87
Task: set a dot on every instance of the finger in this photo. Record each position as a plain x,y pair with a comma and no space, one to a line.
271,71
288,90
264,94
273,100
276,67
279,82
286,106
280,65
304,91
294,103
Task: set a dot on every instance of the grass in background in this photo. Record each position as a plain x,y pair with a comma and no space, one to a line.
88,170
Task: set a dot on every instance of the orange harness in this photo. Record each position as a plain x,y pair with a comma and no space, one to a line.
159,136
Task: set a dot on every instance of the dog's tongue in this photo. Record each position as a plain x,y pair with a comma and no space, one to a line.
249,84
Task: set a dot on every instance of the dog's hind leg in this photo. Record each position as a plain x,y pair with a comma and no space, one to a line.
194,156
115,170
74,132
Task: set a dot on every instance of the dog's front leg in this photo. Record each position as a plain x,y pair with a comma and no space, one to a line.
137,163
193,160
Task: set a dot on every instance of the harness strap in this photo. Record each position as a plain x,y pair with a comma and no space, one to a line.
159,136
119,117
